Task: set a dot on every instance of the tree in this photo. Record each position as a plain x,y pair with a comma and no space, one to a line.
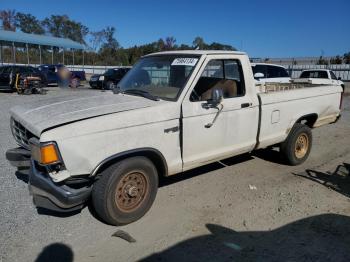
185,47
8,18
322,61
169,43
160,45
347,58
29,24
97,39
111,42
199,43
218,46
62,26
336,60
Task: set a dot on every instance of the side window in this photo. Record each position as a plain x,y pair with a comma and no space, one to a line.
323,74
219,74
333,76
305,74
276,71
214,69
283,72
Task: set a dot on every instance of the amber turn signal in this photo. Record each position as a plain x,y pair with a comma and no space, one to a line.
49,154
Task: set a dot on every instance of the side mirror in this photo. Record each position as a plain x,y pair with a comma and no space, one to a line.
259,75
216,96
339,78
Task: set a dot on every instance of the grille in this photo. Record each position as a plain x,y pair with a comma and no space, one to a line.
20,133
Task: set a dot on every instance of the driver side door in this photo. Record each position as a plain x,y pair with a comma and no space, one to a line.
235,128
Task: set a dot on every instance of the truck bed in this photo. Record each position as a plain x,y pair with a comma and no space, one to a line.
282,105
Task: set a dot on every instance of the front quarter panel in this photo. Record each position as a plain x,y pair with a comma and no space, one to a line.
85,144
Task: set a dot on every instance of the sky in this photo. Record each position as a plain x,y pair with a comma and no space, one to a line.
260,28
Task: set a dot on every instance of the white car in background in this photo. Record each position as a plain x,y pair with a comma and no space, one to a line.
319,77
270,73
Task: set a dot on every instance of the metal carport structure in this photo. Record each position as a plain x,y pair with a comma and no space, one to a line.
9,38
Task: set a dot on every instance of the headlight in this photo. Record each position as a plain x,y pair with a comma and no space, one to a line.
102,78
45,153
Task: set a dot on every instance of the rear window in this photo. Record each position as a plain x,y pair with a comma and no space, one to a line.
314,74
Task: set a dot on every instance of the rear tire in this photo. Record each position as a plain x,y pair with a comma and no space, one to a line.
125,191
296,148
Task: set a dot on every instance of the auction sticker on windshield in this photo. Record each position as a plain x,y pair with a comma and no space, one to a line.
183,61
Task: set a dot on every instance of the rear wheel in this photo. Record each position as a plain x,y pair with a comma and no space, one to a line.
296,148
125,191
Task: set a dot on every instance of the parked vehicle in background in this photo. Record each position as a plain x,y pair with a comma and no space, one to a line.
319,76
52,76
109,79
201,107
29,85
270,73
8,75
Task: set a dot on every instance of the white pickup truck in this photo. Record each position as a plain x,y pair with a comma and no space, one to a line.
172,112
319,77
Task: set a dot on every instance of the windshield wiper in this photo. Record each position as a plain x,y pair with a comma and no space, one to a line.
139,92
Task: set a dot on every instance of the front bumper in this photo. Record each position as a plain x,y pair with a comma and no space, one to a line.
49,195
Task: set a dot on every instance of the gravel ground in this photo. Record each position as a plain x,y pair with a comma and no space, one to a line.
247,208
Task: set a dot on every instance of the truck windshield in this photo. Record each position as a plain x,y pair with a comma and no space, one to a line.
160,76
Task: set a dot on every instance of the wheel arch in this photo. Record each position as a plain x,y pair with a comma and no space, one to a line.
152,154
309,119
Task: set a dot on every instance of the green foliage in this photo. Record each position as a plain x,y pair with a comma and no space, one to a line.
336,60
110,41
322,61
63,26
8,19
347,58
199,43
28,23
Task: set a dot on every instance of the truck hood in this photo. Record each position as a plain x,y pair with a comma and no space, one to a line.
49,113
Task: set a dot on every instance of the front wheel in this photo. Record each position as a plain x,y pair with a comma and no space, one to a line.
296,148
125,191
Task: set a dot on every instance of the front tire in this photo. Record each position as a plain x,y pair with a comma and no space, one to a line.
125,191
296,148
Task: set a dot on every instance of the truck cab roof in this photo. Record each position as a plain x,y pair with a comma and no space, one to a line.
198,52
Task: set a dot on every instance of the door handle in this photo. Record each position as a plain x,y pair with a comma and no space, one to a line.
244,105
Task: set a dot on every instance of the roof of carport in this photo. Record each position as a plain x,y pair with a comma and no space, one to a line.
19,37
